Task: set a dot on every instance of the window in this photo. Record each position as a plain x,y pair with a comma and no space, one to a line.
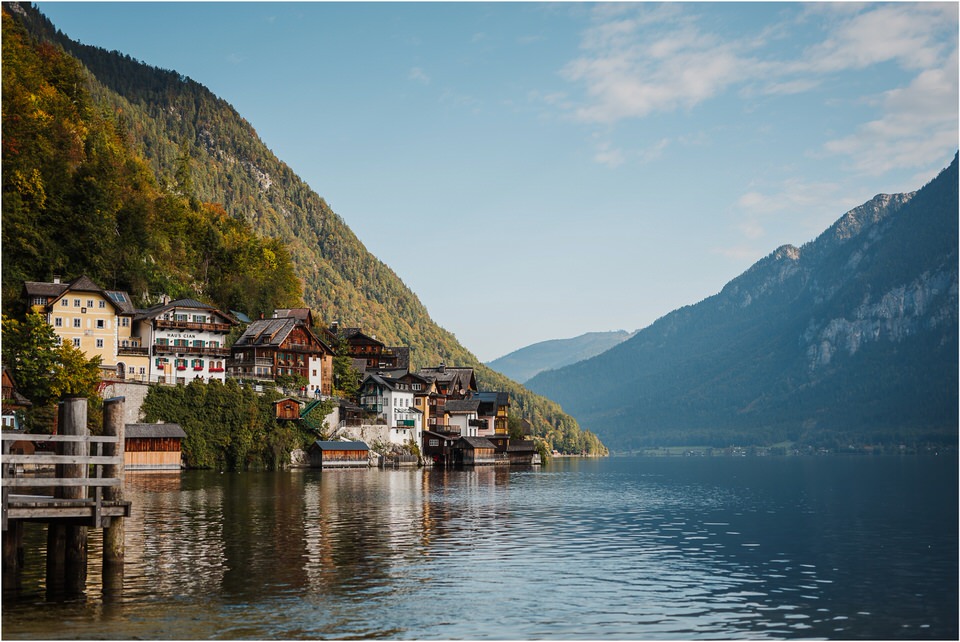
198,343
76,303
100,325
99,343
64,303
58,322
76,343
199,318
125,322
39,300
162,341
89,303
101,304
76,323
143,370
434,442
180,317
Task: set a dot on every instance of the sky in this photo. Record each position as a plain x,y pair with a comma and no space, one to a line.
586,167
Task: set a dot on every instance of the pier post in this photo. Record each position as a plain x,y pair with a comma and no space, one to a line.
74,422
113,533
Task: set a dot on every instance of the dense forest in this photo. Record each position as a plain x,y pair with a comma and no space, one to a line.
144,180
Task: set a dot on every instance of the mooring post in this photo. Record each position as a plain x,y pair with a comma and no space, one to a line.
113,533
74,415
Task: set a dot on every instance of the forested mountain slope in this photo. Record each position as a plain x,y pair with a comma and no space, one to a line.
201,155
850,339
521,365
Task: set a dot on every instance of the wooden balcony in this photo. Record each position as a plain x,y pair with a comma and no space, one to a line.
191,325
159,348
133,351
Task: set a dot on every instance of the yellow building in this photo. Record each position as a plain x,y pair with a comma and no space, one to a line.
96,321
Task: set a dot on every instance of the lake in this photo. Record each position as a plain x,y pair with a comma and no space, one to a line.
858,547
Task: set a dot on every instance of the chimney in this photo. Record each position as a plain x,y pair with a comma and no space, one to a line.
443,367
56,278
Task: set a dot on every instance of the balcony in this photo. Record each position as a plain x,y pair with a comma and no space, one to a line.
191,325
133,351
159,348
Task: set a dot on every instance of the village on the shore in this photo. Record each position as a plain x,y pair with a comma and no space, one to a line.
432,416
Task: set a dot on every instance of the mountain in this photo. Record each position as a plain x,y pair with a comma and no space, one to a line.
850,339
143,143
521,365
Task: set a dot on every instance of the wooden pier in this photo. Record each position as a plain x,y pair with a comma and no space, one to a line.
83,491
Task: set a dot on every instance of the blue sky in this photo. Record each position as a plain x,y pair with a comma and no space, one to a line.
588,166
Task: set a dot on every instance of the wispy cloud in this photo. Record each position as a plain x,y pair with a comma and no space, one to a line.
419,75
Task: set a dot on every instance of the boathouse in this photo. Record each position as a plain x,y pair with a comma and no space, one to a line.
474,451
339,454
152,446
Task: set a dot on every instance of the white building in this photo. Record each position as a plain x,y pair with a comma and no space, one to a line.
187,340
393,402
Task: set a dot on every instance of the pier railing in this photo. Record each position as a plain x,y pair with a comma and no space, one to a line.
48,470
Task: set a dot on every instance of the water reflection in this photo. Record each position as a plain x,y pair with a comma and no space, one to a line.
583,549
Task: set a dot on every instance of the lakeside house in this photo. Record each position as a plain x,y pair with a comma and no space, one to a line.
283,346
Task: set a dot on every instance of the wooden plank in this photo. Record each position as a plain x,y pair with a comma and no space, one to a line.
17,436
42,482
61,459
64,512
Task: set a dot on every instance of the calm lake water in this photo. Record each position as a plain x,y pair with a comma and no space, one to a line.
621,548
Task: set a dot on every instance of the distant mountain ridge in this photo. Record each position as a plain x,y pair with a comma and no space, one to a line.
851,338
523,364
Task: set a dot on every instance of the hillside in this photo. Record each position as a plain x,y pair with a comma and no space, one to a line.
850,339
523,364
198,155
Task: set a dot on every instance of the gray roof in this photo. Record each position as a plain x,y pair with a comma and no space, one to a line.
462,405
155,431
477,442
266,332
341,445
160,308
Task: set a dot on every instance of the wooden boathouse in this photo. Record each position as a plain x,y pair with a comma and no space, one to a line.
57,489
153,446
339,454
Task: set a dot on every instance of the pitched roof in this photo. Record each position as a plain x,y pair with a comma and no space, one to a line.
156,310
477,442
266,332
461,405
37,288
155,431
341,445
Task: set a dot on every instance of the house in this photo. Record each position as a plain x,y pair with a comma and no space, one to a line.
14,403
522,452
462,417
271,348
339,454
287,409
438,447
392,401
375,353
152,446
187,339
96,321
474,451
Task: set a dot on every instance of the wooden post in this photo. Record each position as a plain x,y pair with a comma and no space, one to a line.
113,533
74,422
12,554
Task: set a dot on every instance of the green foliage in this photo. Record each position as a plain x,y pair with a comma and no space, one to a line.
228,426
